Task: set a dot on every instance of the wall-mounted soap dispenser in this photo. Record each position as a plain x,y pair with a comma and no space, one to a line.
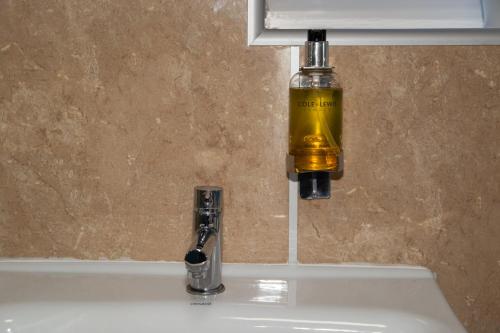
315,128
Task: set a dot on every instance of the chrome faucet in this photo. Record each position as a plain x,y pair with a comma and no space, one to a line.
203,260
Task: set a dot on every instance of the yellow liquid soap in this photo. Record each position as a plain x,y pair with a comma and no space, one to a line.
315,128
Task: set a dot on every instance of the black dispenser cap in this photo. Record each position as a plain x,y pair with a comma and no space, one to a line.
314,185
316,35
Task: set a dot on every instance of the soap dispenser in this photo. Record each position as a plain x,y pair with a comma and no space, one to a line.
315,121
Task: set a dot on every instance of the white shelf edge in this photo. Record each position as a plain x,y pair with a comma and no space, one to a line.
382,37
255,21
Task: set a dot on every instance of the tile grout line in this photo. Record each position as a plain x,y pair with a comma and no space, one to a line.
292,185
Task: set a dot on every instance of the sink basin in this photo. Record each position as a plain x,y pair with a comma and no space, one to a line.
117,296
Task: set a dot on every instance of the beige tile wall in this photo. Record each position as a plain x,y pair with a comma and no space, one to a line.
111,111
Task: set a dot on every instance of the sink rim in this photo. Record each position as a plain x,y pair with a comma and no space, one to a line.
128,266
101,284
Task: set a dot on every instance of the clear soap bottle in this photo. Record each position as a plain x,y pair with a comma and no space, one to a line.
315,121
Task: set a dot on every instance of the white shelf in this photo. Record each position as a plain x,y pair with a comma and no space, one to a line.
375,22
373,14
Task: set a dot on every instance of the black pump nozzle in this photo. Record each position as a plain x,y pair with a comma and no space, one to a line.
314,185
316,35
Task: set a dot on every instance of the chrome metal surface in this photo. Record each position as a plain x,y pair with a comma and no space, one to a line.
203,260
217,290
208,198
316,54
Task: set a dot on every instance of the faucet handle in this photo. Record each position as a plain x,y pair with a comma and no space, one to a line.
208,199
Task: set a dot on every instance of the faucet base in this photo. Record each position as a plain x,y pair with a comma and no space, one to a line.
214,291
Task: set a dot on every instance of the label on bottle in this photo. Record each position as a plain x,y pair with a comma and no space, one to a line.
315,133
323,103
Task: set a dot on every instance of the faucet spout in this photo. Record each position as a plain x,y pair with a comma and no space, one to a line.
201,252
205,238
203,260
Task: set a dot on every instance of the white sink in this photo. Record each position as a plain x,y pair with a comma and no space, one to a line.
85,296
